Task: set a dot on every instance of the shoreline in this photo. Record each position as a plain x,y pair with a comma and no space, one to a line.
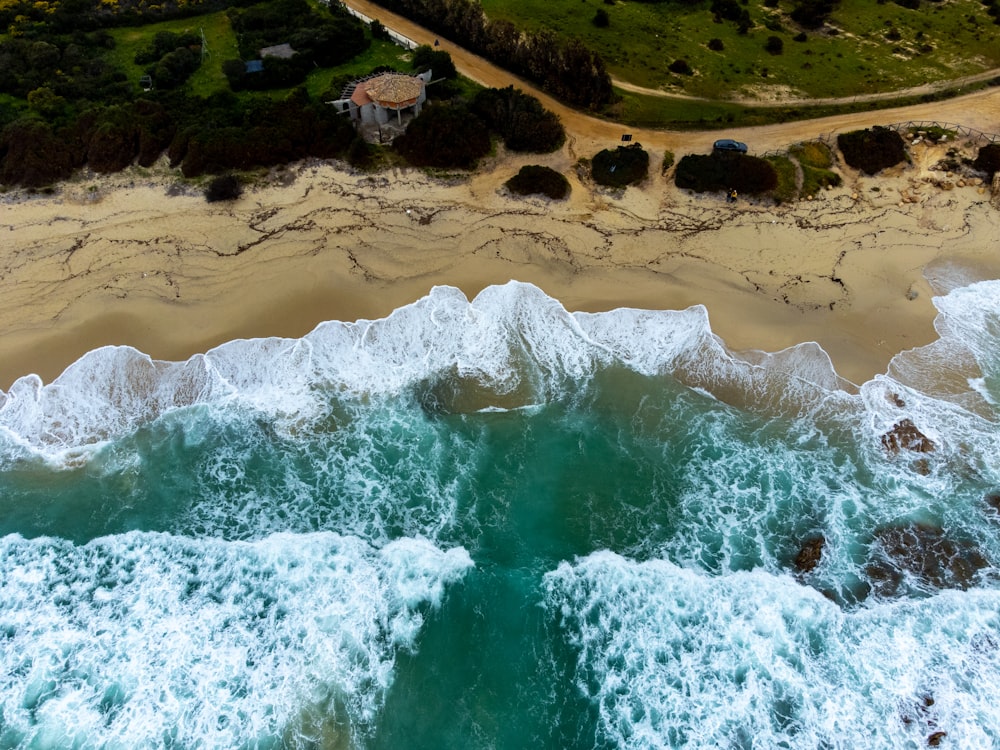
116,260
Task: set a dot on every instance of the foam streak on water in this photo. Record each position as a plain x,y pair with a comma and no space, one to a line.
147,640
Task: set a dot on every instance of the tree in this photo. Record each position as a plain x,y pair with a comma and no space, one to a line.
774,45
437,61
520,120
444,135
601,19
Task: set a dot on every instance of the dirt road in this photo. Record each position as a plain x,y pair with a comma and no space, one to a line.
980,110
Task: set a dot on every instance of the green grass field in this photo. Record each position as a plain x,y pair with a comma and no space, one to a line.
938,41
209,78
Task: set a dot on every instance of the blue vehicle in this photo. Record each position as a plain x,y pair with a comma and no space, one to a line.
728,144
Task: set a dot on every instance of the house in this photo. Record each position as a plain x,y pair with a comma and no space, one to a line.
373,100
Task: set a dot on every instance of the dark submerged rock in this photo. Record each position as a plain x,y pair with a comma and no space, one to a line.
904,435
810,554
924,554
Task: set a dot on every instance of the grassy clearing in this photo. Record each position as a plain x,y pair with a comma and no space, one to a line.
812,154
876,47
208,79
378,54
787,189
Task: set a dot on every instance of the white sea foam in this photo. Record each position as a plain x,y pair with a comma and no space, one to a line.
148,640
509,337
671,658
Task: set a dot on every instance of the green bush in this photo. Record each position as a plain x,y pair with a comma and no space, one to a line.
787,188
814,179
225,187
537,180
32,154
437,61
723,171
520,120
626,165
988,159
812,154
444,135
872,150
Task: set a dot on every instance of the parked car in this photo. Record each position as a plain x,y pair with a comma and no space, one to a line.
728,144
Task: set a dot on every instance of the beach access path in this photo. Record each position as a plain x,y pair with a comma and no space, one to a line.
979,109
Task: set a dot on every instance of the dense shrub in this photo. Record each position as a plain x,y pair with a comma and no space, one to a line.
225,187
520,119
164,42
111,137
988,159
32,154
716,45
174,68
322,39
437,61
681,67
230,133
872,150
812,14
537,180
626,165
723,171
444,135
601,19
774,45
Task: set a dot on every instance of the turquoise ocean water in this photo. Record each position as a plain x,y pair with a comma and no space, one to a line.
495,524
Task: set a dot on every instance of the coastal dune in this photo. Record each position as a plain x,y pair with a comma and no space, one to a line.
137,259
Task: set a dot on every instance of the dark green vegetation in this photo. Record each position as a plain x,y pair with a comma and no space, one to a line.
872,150
73,95
456,134
626,165
117,83
533,179
559,63
446,135
988,160
808,168
520,120
224,187
722,170
316,39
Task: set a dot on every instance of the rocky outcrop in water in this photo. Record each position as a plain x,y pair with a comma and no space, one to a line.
904,435
921,556
810,554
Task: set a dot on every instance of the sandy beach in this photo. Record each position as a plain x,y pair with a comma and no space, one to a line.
138,259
